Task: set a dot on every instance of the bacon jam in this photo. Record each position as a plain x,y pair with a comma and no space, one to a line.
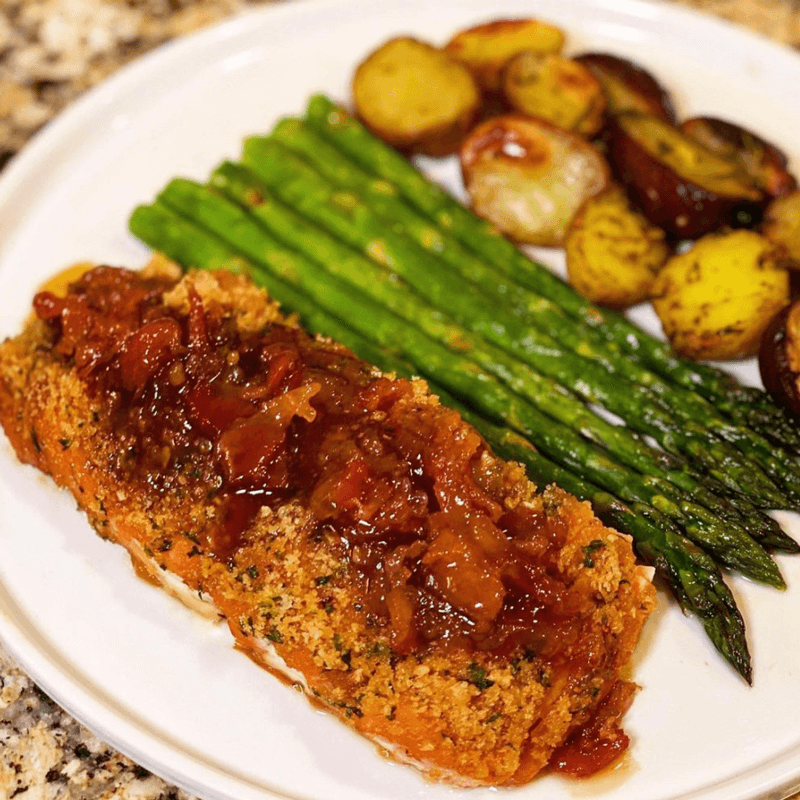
443,551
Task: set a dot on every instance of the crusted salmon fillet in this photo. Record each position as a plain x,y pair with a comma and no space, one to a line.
357,537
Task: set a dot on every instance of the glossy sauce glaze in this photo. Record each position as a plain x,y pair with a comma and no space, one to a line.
439,557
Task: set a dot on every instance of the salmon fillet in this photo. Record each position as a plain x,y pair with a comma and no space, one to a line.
358,538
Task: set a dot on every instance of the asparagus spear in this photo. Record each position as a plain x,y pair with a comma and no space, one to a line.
334,166
298,185
747,405
691,575
728,542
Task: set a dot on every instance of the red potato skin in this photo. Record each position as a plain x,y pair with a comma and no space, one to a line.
656,100
779,357
677,205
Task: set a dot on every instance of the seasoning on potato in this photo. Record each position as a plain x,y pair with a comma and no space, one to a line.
781,224
762,161
716,300
628,86
415,97
613,252
529,177
486,49
557,89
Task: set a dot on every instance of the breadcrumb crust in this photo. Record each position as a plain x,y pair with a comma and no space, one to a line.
287,589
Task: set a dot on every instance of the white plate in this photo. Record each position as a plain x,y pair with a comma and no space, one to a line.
166,687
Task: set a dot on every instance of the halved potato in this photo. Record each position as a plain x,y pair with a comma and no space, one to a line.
680,185
529,177
487,48
613,252
763,162
628,87
781,224
415,97
557,89
716,300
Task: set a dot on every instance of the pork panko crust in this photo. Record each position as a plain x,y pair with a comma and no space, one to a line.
463,715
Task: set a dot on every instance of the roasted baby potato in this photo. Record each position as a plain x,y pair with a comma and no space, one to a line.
679,185
763,162
529,177
486,49
779,357
415,97
557,89
716,300
628,87
613,252
781,224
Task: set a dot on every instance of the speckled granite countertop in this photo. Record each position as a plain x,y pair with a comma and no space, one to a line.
50,52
